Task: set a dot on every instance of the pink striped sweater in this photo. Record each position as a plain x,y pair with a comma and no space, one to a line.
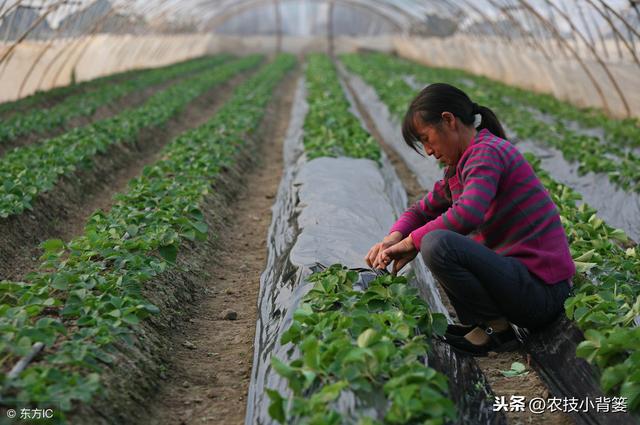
499,201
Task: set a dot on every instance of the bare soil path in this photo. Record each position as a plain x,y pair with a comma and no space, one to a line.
529,385
208,378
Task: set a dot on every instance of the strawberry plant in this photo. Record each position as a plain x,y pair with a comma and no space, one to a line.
372,343
85,104
87,293
28,171
606,304
329,128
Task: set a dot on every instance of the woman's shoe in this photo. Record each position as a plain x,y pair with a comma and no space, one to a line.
498,341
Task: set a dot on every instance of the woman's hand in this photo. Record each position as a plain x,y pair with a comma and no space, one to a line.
401,254
373,257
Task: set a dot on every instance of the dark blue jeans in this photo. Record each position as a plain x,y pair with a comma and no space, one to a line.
483,285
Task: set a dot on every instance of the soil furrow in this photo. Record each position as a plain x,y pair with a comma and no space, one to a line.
62,212
108,110
208,377
530,385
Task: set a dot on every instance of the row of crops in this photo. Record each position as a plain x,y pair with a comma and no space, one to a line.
31,170
606,304
330,129
44,98
86,296
101,92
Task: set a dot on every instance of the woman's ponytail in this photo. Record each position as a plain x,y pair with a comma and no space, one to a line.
489,120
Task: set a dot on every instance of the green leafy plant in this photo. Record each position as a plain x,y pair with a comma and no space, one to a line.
517,369
28,171
330,129
606,300
370,343
86,103
88,292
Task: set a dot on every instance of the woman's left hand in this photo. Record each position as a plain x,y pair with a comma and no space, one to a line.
401,254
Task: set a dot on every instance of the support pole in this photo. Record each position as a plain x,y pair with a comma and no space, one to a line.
330,29
276,5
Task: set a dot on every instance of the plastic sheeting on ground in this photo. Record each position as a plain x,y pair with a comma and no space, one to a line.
332,210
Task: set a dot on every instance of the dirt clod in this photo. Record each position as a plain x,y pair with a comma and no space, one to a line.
190,345
229,314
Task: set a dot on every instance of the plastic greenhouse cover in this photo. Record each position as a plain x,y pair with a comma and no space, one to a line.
331,210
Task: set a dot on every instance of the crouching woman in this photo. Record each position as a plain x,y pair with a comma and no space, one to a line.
488,231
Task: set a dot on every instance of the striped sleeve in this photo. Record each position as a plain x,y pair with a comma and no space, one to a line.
423,211
481,174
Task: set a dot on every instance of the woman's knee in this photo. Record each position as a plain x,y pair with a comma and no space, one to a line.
435,246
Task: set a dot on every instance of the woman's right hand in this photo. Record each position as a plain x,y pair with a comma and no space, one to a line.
374,257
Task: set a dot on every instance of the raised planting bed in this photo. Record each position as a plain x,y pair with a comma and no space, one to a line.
31,170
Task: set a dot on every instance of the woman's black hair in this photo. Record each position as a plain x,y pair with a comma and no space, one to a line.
429,105
437,98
